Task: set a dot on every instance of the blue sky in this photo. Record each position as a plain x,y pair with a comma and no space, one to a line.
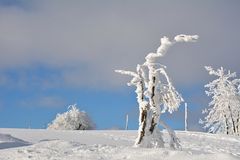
54,53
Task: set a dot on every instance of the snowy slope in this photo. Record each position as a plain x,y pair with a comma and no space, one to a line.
111,145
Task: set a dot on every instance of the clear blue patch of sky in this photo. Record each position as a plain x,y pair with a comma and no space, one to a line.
101,106
107,108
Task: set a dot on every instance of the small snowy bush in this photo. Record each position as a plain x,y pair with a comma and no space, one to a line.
73,119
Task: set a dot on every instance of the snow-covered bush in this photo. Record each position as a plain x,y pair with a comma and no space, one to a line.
155,94
73,119
222,116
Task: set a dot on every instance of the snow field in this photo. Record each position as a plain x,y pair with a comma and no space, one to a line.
113,145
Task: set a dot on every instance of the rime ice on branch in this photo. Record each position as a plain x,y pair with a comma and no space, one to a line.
154,95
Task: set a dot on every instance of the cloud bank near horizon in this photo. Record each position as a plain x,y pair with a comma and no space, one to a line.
86,41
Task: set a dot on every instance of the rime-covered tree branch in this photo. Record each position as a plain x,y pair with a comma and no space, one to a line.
153,95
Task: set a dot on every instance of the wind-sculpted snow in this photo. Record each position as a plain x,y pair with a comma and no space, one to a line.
7,141
117,145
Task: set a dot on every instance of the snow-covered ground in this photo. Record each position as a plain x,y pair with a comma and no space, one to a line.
24,144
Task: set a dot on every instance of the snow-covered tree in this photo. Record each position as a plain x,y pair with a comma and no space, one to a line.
155,94
237,113
223,111
73,119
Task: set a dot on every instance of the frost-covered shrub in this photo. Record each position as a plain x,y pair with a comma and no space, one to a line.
73,119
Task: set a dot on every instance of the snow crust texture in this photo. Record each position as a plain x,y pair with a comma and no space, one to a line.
114,145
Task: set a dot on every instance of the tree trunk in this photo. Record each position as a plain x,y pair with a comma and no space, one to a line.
237,125
143,109
79,126
153,105
155,135
226,125
233,123
142,124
